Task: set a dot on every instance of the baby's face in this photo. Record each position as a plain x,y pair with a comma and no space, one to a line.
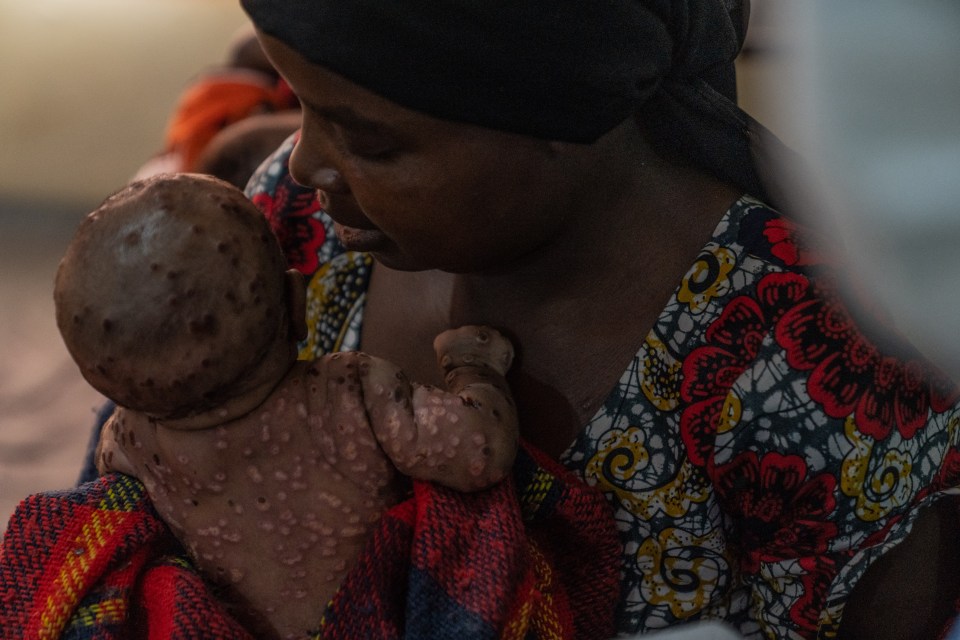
170,293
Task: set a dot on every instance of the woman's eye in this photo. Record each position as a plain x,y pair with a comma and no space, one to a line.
375,153
373,148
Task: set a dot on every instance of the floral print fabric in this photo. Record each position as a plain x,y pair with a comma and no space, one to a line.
764,447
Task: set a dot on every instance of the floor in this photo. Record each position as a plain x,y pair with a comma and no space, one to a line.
46,408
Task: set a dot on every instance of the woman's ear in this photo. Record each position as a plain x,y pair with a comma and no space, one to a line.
296,303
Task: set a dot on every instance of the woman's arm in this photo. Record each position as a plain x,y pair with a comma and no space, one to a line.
912,592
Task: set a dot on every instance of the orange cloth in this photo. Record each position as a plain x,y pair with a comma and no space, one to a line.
217,100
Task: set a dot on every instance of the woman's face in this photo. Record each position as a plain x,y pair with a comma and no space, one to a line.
418,192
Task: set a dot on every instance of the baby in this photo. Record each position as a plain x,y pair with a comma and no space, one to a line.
174,301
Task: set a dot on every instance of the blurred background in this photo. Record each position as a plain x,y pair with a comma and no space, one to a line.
85,92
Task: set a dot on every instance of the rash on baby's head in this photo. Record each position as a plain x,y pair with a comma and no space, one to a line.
170,292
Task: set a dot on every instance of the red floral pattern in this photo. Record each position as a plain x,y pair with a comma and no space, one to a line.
815,583
850,375
292,212
777,507
847,374
788,244
732,343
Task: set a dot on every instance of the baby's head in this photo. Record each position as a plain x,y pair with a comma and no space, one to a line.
173,297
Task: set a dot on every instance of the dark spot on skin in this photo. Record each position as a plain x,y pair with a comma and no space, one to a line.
197,229
262,500
235,262
156,460
194,502
205,363
222,247
173,301
107,325
485,451
172,275
132,238
231,207
313,371
205,325
154,267
102,369
496,414
76,319
341,380
397,394
230,502
230,296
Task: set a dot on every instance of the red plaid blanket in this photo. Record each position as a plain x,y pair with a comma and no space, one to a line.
536,557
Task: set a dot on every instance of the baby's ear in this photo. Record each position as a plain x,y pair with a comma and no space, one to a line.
297,303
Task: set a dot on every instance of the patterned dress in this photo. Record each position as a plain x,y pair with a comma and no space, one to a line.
763,448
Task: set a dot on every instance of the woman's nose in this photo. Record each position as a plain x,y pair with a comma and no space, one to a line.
312,170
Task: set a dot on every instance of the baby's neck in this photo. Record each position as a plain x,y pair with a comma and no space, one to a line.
250,394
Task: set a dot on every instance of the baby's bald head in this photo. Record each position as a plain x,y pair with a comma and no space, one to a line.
170,293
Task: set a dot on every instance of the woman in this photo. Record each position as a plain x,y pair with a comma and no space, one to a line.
579,175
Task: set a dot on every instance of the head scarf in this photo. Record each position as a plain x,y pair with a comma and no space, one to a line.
567,70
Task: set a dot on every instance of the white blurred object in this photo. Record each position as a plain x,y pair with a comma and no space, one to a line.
877,115
692,631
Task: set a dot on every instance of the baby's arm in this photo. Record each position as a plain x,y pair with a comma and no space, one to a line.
464,437
111,455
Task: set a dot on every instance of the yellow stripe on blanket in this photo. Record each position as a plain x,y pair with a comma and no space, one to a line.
75,578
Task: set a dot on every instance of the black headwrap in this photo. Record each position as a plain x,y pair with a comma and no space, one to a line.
566,70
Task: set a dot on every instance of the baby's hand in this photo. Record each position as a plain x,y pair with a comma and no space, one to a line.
464,437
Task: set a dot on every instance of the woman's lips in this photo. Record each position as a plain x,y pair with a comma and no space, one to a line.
354,239
359,238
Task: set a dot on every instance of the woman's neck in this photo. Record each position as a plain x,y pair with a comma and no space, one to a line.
577,309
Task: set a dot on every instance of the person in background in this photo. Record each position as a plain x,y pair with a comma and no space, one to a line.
207,131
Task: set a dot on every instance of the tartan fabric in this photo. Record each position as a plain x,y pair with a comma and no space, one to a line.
536,557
